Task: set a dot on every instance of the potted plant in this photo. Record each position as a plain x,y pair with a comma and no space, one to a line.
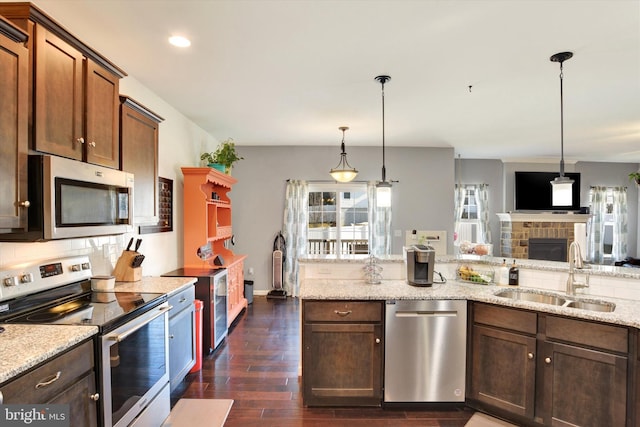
635,176
224,157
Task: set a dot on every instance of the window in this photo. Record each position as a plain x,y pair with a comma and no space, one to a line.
338,219
469,222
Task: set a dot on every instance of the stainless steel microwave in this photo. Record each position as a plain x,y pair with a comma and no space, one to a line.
70,199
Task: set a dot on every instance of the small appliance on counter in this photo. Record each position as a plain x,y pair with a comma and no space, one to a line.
420,261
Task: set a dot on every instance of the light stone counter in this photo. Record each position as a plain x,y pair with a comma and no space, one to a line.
152,284
24,346
625,312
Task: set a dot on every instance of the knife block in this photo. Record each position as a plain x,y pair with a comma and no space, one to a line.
123,271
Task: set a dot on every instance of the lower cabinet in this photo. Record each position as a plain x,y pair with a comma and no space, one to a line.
66,379
182,344
539,369
236,301
342,353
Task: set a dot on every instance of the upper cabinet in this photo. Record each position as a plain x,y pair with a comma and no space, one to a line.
139,129
73,91
14,125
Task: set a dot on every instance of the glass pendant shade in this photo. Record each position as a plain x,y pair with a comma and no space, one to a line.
561,191
343,172
383,195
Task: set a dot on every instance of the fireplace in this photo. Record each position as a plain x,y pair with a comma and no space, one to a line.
548,249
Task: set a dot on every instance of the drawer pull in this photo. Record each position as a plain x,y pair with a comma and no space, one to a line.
342,313
529,356
377,340
95,397
547,360
47,382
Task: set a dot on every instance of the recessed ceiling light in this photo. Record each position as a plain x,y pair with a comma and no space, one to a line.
179,41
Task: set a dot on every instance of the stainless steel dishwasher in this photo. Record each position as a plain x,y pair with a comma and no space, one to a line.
425,351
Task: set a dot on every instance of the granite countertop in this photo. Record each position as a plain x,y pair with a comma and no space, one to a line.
24,346
625,313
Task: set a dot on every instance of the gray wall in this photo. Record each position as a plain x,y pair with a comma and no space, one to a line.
422,199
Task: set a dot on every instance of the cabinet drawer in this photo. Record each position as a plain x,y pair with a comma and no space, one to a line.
507,318
71,365
606,337
182,300
343,311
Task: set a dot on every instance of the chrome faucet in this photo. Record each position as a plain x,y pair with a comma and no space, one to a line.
575,262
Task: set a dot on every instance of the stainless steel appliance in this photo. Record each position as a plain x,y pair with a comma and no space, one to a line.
420,261
425,351
211,289
68,199
132,343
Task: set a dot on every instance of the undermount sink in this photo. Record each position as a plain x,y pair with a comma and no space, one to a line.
558,300
522,295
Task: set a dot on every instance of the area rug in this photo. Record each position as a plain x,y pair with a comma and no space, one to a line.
199,413
483,420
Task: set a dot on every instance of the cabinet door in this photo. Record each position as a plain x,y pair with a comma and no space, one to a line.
503,370
182,350
58,96
80,398
14,87
342,364
583,387
139,156
102,137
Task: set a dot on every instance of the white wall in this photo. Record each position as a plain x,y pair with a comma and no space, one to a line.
180,143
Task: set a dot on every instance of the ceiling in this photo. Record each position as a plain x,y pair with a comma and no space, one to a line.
474,75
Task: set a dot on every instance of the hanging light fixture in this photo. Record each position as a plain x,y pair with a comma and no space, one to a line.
383,188
344,172
561,186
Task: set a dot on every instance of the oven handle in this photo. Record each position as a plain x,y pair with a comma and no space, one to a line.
122,337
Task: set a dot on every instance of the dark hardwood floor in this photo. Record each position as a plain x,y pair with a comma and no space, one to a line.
257,367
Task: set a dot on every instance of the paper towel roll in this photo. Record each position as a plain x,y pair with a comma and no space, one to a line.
580,236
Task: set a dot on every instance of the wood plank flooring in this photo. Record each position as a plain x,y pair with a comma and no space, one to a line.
257,367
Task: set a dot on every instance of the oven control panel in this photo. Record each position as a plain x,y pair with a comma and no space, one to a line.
28,278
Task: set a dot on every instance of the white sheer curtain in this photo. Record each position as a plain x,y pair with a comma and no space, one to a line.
296,208
596,224
379,224
619,250
482,203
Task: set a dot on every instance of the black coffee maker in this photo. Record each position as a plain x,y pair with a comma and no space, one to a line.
420,261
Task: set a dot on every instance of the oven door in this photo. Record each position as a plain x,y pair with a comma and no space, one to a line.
135,367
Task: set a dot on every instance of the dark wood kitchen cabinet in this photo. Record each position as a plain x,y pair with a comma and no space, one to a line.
65,379
14,125
73,91
139,133
544,370
342,353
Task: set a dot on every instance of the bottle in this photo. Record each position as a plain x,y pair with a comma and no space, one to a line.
513,274
503,273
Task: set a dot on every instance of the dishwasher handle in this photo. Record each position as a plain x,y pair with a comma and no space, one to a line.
425,313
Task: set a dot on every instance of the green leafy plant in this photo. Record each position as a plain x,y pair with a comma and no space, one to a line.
635,176
225,155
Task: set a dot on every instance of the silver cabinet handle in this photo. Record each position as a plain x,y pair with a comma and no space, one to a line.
377,340
80,140
92,144
24,204
529,356
1,398
547,360
183,299
51,380
171,336
342,313
95,397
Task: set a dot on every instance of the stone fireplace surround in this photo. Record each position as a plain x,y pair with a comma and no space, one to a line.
517,228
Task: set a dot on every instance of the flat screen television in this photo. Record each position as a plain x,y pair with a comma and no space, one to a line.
533,191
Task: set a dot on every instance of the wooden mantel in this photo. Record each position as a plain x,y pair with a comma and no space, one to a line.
543,217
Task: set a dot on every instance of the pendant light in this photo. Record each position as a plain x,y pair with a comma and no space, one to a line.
383,188
561,186
344,172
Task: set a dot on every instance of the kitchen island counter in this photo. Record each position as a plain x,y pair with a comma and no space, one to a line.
625,313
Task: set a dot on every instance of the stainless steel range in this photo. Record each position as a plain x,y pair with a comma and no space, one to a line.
131,348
